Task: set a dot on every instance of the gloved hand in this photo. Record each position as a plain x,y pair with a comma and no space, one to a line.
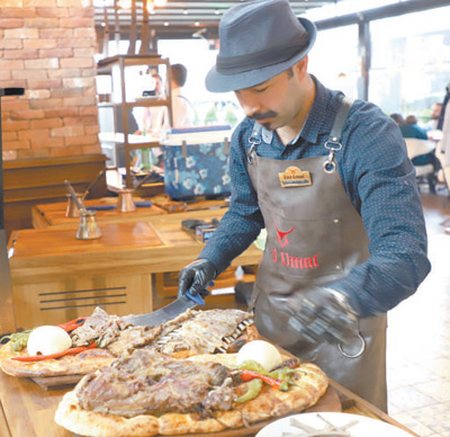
196,276
323,314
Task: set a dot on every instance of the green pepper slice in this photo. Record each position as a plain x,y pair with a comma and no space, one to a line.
253,389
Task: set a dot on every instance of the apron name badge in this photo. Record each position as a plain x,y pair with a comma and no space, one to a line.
294,177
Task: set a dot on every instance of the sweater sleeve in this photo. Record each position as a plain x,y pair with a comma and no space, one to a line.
243,221
389,203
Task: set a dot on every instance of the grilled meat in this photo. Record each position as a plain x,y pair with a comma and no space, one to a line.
147,382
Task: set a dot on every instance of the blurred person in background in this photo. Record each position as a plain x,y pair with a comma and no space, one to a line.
432,123
182,109
410,129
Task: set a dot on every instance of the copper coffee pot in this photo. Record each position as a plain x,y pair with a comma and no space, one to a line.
88,228
72,209
125,202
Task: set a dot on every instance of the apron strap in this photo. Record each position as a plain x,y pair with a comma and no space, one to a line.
254,140
333,144
340,119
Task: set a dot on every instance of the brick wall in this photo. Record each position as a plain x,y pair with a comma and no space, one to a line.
47,47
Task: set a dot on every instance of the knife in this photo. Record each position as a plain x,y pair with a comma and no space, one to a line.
169,312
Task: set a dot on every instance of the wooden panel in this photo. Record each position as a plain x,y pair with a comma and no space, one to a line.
166,289
28,409
17,169
31,181
200,203
124,249
54,214
55,302
4,428
119,236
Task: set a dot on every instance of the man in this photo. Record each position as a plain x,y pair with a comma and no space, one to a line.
410,129
335,192
432,124
182,109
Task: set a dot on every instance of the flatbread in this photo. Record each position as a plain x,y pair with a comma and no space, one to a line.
310,385
191,333
81,364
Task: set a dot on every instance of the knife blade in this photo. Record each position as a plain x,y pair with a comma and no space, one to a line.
168,312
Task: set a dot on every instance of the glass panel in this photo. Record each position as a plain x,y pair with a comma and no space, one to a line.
334,59
410,61
198,56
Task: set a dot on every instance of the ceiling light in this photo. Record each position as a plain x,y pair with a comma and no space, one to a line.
217,12
185,12
160,3
197,23
166,23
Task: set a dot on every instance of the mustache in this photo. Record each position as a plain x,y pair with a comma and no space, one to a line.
262,116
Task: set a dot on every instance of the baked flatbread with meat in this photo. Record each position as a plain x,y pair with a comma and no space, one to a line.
149,394
191,333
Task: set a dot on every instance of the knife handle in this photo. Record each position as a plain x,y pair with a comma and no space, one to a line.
197,298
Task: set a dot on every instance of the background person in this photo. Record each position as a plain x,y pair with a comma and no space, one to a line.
432,123
410,129
346,234
182,109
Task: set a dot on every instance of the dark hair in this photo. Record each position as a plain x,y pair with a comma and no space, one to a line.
398,118
411,119
179,74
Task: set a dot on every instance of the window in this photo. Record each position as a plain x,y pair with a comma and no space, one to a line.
410,61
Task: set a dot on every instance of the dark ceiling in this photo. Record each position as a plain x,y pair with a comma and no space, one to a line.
177,18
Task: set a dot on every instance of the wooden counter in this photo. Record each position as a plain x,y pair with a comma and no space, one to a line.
54,214
28,410
56,277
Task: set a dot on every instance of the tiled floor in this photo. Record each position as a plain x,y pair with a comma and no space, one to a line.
419,338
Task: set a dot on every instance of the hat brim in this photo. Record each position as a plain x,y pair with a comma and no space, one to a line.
222,83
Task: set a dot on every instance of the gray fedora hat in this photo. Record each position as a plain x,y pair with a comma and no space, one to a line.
258,40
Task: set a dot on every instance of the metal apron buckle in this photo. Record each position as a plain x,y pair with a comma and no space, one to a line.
360,351
254,140
333,145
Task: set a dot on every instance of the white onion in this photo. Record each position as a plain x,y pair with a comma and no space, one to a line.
260,351
47,340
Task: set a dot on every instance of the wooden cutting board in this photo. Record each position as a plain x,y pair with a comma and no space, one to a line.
57,382
328,402
29,410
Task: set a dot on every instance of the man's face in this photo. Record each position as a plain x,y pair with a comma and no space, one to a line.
436,111
273,103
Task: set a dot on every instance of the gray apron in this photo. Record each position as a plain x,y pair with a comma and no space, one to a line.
314,237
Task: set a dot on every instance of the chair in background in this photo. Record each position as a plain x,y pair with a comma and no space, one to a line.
443,175
424,173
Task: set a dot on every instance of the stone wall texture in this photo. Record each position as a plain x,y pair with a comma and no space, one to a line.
48,47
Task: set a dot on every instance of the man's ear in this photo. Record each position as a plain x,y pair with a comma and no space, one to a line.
301,67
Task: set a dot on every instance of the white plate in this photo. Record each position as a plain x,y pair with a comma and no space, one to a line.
365,427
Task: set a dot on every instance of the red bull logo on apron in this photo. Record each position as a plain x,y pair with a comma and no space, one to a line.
289,260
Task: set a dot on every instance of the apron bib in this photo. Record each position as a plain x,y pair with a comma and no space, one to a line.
314,237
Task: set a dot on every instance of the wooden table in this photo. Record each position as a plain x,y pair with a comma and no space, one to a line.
54,214
57,278
28,410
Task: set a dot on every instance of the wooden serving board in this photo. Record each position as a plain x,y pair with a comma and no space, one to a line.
56,382
54,214
329,402
164,202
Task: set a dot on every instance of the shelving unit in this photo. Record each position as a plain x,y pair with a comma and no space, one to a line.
122,79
